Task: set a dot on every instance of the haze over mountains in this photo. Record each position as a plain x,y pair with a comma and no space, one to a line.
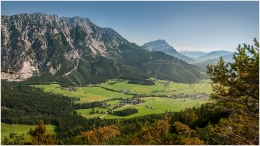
214,54
198,58
192,54
203,64
77,51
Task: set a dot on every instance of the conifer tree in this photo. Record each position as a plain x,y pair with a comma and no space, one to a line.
236,89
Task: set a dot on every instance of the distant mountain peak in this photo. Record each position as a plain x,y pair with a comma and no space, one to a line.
156,42
163,46
154,45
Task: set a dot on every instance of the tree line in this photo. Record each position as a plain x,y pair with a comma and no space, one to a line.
125,112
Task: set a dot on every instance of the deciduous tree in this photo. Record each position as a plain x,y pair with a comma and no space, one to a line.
100,135
187,136
39,136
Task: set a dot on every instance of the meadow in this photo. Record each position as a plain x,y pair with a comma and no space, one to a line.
93,93
86,94
6,129
202,86
134,87
160,105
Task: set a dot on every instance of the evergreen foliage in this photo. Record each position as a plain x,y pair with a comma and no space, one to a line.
125,112
236,88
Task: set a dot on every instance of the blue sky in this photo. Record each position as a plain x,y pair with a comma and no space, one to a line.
204,26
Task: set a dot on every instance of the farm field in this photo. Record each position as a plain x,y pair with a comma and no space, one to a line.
113,102
90,94
160,105
135,87
6,129
86,94
202,86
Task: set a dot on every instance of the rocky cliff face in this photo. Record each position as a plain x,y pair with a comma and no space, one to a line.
33,43
73,49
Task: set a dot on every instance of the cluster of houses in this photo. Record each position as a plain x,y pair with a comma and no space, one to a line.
125,91
70,88
166,84
200,96
150,107
104,105
128,102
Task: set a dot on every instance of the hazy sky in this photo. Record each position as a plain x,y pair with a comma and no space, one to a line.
204,26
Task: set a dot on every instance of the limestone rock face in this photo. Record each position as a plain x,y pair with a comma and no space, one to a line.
36,43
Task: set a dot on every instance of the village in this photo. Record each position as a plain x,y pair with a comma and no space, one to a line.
70,88
124,102
198,96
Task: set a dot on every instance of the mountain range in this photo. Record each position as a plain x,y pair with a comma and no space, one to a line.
198,58
42,48
203,64
213,55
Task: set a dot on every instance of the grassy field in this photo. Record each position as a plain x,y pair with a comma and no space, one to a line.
86,94
6,129
113,102
160,104
202,86
135,87
85,112
89,94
